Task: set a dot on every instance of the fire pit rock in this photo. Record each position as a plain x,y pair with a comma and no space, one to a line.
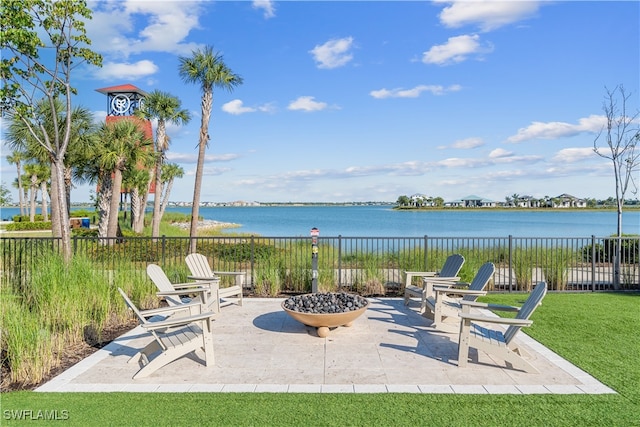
325,310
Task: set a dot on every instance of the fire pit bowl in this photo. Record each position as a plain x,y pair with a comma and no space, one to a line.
325,310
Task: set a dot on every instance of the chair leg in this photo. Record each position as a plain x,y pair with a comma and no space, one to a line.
207,337
147,351
463,344
165,358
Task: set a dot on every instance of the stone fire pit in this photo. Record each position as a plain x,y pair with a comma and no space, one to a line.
325,310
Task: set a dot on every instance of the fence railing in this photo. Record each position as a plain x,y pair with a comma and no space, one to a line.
369,265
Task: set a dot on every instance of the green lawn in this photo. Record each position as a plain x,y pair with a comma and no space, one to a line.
598,332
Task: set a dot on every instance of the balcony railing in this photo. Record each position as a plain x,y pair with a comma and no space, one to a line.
369,265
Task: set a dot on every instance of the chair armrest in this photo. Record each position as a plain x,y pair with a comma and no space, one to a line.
182,292
440,290
179,321
168,310
490,306
188,285
497,320
444,282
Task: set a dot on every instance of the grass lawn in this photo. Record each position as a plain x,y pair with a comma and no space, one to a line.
596,331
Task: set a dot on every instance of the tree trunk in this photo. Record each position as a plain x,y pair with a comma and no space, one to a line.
104,202
207,102
137,214
112,227
67,187
157,216
57,167
45,196
55,212
33,191
20,189
165,198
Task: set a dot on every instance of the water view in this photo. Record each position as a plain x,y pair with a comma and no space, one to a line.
383,221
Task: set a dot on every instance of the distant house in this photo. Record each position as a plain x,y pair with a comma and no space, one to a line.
421,200
472,202
527,202
568,201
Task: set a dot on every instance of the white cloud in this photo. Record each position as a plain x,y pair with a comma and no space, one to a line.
164,27
456,49
488,15
193,157
572,155
553,130
468,143
307,103
269,10
499,152
334,53
413,92
236,107
127,71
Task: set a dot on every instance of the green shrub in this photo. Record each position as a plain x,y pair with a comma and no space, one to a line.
27,218
29,226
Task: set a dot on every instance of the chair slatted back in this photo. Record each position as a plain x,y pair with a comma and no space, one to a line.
162,282
527,309
452,266
132,307
479,282
199,265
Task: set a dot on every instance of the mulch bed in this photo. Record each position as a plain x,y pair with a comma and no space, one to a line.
71,356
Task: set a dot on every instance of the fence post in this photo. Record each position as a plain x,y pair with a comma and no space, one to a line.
339,261
252,262
593,263
510,263
163,247
426,257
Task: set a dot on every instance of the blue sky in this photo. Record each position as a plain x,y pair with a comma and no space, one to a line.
370,100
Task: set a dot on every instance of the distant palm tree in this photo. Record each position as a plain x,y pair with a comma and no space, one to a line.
122,146
163,107
17,157
137,181
170,172
207,69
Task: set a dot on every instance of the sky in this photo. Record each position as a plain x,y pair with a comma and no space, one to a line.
371,100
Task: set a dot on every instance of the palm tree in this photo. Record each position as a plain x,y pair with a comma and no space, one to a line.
137,181
170,172
37,175
207,69
16,157
122,145
163,107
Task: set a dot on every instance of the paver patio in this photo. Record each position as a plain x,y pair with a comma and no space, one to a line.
391,348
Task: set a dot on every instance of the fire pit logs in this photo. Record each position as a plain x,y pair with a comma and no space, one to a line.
325,310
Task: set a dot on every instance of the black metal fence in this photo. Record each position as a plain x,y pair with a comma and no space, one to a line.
369,265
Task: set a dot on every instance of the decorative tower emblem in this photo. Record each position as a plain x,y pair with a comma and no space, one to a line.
123,100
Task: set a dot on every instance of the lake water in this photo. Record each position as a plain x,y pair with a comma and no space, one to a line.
383,221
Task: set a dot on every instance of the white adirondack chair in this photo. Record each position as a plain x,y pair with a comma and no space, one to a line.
176,294
449,272
496,342
443,300
172,338
201,270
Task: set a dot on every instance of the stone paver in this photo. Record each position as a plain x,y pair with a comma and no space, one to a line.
389,349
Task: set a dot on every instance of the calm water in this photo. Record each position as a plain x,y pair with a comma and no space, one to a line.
382,221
